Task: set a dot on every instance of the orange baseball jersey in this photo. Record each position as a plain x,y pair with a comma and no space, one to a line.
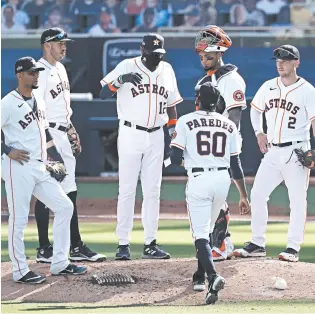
145,104
289,110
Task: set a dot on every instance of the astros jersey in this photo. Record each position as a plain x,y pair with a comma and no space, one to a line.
54,88
231,86
289,110
145,105
208,139
23,127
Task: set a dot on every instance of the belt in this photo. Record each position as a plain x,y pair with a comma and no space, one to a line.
60,127
138,127
286,144
209,169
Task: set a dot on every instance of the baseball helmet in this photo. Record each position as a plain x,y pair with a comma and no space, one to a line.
212,39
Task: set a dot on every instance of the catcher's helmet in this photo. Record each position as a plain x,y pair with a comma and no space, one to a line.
208,97
212,38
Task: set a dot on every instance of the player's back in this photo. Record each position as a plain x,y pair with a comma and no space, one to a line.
211,139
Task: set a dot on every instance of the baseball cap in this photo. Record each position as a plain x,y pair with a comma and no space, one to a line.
26,64
286,52
54,34
208,95
153,43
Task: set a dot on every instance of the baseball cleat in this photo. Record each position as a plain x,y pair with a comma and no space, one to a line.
289,255
44,254
32,278
217,257
153,251
83,253
250,250
123,253
199,282
72,269
215,286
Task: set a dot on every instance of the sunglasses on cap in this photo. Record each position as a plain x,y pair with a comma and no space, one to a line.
283,53
59,36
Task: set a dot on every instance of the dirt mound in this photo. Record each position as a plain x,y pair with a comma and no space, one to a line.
166,282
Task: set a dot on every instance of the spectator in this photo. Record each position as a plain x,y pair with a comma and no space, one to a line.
223,8
86,12
105,24
208,13
119,17
191,18
301,13
183,6
36,10
134,7
148,25
8,25
271,6
246,14
283,18
20,17
55,19
161,13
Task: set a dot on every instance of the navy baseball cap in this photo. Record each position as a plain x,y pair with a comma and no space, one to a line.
208,95
27,64
153,43
54,34
286,52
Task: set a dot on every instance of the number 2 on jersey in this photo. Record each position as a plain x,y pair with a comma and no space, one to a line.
204,147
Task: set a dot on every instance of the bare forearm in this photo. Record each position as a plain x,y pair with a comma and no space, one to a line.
235,115
241,186
51,148
172,113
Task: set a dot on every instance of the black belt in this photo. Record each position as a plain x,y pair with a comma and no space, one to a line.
285,144
138,127
60,127
210,169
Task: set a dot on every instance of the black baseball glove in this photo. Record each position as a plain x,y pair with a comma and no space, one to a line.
133,78
306,158
57,170
74,140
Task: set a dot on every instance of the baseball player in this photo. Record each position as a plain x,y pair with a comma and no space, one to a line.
211,43
25,128
147,95
209,143
288,104
55,90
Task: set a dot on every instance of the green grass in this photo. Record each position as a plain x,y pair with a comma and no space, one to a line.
237,307
176,238
174,235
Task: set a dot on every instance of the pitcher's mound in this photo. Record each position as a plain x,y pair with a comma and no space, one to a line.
169,281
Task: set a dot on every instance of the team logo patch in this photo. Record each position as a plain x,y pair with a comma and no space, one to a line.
238,95
174,135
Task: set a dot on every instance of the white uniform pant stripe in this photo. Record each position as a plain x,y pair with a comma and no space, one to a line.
280,164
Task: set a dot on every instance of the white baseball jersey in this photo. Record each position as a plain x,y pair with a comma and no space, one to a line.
289,110
22,128
54,88
208,139
145,105
231,87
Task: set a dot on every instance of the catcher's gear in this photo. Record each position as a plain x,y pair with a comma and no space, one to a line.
212,38
74,140
306,158
57,170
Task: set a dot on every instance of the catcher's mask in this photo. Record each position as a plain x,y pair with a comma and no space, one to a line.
212,39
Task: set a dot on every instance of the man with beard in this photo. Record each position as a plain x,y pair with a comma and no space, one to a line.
147,95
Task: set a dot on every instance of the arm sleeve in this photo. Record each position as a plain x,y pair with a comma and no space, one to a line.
174,97
310,104
256,120
113,75
234,93
5,113
258,101
235,142
179,136
236,168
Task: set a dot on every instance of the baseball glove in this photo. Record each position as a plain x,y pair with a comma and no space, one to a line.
57,170
306,158
74,140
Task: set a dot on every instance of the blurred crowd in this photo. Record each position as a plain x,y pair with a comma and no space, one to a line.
98,17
